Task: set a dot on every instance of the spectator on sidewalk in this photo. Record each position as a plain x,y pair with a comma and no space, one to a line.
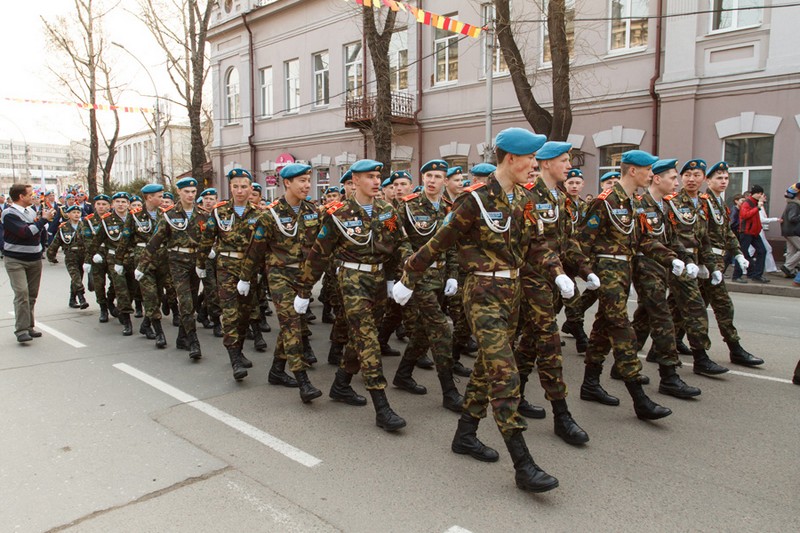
737,201
769,259
790,230
750,235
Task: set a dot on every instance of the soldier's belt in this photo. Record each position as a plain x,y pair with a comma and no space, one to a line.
509,274
141,244
363,267
183,250
437,264
690,250
235,255
111,252
718,251
612,256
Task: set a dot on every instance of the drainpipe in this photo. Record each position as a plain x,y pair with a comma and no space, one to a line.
365,107
251,64
657,74
418,66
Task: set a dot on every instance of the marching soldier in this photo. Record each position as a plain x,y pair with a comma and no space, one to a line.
480,173
328,293
68,236
90,226
211,307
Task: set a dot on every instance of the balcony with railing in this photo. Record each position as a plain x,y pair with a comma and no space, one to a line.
360,111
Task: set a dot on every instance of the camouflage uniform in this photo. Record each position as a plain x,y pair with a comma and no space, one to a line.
455,303
71,240
89,228
139,228
108,237
575,308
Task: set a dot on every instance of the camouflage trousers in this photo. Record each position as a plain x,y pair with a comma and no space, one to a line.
74,264
210,290
540,343
612,329
122,290
289,345
575,308
720,301
261,285
152,284
236,309
363,299
99,274
431,330
339,330
455,309
690,314
652,316
187,286
492,309
328,290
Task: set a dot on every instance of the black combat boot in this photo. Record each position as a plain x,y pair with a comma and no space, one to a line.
82,301
308,352
259,343
565,426
267,310
385,417
239,372
575,329
103,313
194,346
164,305
72,301
327,314
425,363
137,309
591,390
263,325
403,380
204,319
704,365
176,314
644,407
127,327
146,329
335,353
644,380
460,370
180,342
672,384
451,399
401,334
245,362
112,309
471,346
527,409
217,330
466,442
161,339
681,346
341,391
651,355
310,316
278,376
740,356
383,339
307,391
529,476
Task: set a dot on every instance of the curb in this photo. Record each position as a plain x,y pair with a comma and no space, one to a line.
769,289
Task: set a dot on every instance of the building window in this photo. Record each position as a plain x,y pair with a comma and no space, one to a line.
445,45
232,96
457,161
569,19
750,163
291,72
321,93
732,14
353,70
628,24
265,81
499,62
611,156
398,61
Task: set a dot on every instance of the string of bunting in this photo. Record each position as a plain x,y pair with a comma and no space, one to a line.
83,105
425,17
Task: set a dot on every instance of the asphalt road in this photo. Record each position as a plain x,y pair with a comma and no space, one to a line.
105,433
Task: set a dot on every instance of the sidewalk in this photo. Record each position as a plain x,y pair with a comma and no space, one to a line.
780,286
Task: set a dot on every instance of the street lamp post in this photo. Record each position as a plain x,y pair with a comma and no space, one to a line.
159,164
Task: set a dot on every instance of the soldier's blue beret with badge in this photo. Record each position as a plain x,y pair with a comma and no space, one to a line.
169,195
482,169
239,173
211,191
575,173
386,182
256,186
332,189
663,165
694,164
519,141
135,198
397,174
609,175
434,164
293,170
72,208
68,196
120,194
418,188
346,176
638,158
152,188
366,165
552,149
467,183
199,200
186,182
454,170
103,197
722,165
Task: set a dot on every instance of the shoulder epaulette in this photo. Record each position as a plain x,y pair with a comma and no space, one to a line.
219,204
106,215
273,204
669,197
603,195
529,186
136,210
335,206
62,224
704,196
410,196
474,187
90,215
165,209
638,197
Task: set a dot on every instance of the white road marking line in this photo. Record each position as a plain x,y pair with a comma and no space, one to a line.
57,334
738,373
295,454
457,529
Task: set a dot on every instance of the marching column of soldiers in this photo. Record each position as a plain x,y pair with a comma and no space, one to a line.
499,258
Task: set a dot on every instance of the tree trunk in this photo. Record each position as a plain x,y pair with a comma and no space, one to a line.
559,51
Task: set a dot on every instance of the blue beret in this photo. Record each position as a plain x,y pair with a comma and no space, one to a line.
434,164
120,194
722,165
519,141
332,189
70,196
662,165
308,198
239,173
151,188
639,158
552,149
104,197
418,188
454,170
135,198
256,186
72,208
199,200
293,170
169,195
482,169
386,182
609,175
694,164
467,183
366,165
346,176
400,174
211,191
575,173
186,182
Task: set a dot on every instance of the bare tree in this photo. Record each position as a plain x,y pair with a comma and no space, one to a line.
111,140
555,125
180,28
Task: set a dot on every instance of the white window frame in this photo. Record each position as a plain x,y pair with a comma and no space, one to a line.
395,67
448,40
745,171
734,10
321,76
232,109
626,16
488,15
358,78
603,169
291,86
265,80
570,5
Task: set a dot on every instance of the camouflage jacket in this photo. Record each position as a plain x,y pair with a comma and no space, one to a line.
139,227
70,239
611,228
283,235
174,229
576,207
348,234
653,221
691,228
89,228
420,220
107,237
226,231
720,235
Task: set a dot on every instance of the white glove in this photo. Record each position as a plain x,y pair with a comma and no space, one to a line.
567,286
87,268
678,266
301,305
138,275
743,263
692,270
716,277
97,258
389,287
592,282
119,269
243,287
212,254
451,287
401,293
703,272
201,272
